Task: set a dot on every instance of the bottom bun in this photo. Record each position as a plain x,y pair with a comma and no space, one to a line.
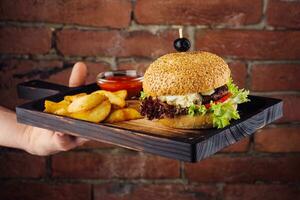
189,122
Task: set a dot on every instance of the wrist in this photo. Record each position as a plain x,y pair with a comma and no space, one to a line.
37,141
24,142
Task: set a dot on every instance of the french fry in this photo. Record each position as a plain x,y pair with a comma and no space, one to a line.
59,108
113,98
97,114
86,102
121,93
123,115
71,98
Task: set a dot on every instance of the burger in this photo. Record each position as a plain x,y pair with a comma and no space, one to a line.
191,90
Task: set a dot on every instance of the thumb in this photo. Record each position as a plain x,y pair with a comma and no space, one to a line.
78,75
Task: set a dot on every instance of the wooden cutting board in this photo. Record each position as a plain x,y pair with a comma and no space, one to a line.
142,134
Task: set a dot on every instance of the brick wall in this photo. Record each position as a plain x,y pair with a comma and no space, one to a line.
41,39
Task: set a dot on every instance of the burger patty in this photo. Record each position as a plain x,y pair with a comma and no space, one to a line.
218,94
156,109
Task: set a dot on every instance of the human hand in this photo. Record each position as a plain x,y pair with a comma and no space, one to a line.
46,142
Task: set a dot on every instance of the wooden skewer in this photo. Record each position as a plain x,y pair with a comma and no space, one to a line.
180,32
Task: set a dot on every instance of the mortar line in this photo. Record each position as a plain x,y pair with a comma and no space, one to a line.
248,82
272,93
264,13
192,37
4,56
182,170
94,182
92,192
220,190
134,26
49,167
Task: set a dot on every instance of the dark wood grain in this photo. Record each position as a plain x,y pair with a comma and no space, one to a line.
37,89
149,136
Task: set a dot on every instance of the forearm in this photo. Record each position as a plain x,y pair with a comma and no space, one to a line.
12,134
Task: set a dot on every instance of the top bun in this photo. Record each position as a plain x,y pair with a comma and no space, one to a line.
185,73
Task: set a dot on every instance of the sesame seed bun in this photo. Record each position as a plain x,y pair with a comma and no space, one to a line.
188,122
185,73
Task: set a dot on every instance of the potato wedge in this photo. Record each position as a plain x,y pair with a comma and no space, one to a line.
123,115
62,111
113,98
97,114
131,113
116,116
86,102
59,108
71,98
121,93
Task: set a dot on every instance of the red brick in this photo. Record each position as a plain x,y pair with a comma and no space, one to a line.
140,66
238,73
45,191
90,13
280,139
246,44
283,13
94,69
177,192
266,192
230,12
240,146
13,72
157,192
21,165
25,40
114,43
291,107
106,166
275,77
245,169
112,191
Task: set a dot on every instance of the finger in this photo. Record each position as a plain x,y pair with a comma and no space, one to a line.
59,134
67,142
64,142
75,138
78,75
81,141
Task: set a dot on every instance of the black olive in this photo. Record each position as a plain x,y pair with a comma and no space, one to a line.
182,44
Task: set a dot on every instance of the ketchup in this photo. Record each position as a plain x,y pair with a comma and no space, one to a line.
132,84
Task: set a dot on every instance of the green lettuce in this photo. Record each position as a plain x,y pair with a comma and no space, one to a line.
197,110
222,113
232,88
238,95
143,95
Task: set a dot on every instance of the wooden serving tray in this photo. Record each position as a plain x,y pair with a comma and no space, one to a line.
142,134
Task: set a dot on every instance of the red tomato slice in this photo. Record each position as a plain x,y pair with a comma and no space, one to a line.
224,98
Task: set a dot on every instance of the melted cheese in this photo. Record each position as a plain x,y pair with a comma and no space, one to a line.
182,100
208,92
